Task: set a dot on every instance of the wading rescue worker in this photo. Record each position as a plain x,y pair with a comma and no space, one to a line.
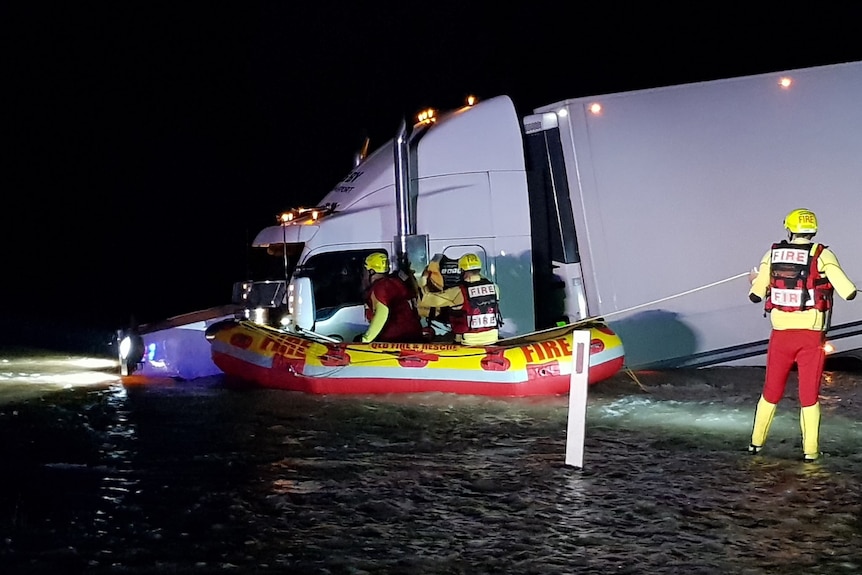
474,304
796,278
390,305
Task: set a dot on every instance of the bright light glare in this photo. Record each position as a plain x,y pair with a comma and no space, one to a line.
785,82
85,378
291,302
259,315
65,379
91,362
125,347
427,116
828,348
54,363
595,108
33,375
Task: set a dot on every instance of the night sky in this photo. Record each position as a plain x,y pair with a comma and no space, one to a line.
147,143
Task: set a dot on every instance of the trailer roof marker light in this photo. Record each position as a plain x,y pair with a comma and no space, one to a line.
595,109
472,100
562,112
785,82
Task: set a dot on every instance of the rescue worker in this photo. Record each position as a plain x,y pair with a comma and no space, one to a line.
796,278
390,305
474,308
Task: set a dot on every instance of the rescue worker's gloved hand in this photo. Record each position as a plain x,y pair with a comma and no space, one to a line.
752,275
754,298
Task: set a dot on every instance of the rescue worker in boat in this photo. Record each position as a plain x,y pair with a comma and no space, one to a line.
796,278
473,304
390,305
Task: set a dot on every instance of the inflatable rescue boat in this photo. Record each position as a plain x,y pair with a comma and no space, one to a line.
535,364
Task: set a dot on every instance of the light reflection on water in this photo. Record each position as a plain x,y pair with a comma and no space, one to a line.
30,373
193,477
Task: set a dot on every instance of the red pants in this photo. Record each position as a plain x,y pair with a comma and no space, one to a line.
803,347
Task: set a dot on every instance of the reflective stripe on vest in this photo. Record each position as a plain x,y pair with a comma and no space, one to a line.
795,284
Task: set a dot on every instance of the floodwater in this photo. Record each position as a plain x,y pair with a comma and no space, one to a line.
196,477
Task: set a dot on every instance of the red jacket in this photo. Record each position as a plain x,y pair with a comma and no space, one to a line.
403,323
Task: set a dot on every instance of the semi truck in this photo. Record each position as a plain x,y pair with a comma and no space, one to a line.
646,208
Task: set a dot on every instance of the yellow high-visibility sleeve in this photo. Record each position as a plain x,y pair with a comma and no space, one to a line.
381,314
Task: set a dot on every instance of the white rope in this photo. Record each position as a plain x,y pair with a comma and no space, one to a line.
316,336
737,276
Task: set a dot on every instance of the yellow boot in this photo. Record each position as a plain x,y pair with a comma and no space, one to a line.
763,415
809,422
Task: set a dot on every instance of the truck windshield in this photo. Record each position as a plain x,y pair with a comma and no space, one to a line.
269,263
338,278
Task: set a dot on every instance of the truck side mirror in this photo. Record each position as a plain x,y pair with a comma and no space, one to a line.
300,303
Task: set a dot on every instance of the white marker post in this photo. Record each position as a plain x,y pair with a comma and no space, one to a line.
578,398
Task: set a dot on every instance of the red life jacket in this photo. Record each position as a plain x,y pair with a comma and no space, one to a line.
795,284
481,310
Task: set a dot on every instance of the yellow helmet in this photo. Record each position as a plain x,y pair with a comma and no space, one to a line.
469,262
801,221
377,262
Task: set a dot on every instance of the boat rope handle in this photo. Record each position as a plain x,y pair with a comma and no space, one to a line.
408,353
713,284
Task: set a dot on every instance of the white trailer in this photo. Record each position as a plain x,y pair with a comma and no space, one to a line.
647,208
679,191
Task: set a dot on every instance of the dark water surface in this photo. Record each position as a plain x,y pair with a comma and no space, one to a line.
194,477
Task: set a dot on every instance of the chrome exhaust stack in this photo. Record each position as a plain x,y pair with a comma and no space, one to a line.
410,249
